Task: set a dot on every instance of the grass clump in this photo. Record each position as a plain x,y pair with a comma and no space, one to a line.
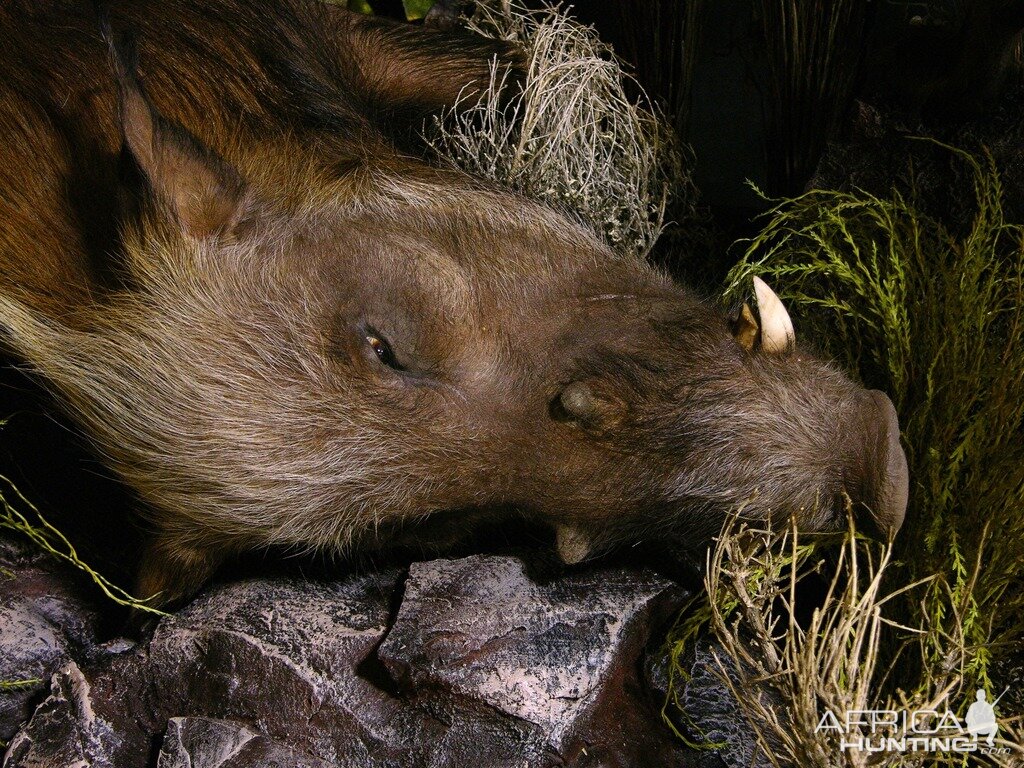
663,40
935,317
571,137
786,674
813,54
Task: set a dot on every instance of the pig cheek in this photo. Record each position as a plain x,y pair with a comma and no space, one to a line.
579,478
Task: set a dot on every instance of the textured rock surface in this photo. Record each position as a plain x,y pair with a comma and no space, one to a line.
194,742
483,661
287,657
43,623
83,723
559,655
715,712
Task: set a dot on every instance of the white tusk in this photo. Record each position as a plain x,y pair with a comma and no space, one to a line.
777,334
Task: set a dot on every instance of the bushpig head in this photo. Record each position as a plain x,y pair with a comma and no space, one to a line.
335,361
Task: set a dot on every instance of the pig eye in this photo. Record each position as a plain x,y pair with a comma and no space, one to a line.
382,350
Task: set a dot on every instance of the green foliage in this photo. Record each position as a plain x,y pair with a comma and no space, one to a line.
414,9
49,539
935,317
17,685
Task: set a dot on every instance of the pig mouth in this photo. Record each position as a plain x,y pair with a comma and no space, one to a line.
874,485
873,481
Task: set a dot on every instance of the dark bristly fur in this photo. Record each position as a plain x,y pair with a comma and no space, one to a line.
280,328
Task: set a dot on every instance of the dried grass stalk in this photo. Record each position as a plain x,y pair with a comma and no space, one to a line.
47,538
934,316
571,138
813,52
785,676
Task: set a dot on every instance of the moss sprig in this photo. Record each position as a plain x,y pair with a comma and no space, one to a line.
47,538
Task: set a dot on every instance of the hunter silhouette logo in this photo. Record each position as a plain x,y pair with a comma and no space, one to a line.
924,730
981,717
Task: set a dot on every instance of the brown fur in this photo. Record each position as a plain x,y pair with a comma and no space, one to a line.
211,330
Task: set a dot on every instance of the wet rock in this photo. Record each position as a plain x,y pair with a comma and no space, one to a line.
198,742
44,622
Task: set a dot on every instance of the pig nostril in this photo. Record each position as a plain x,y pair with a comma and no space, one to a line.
893,482
887,480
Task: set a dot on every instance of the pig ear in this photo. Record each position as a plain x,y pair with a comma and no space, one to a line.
777,334
573,544
206,196
745,328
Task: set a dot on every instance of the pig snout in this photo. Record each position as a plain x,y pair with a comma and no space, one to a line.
666,425
880,479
